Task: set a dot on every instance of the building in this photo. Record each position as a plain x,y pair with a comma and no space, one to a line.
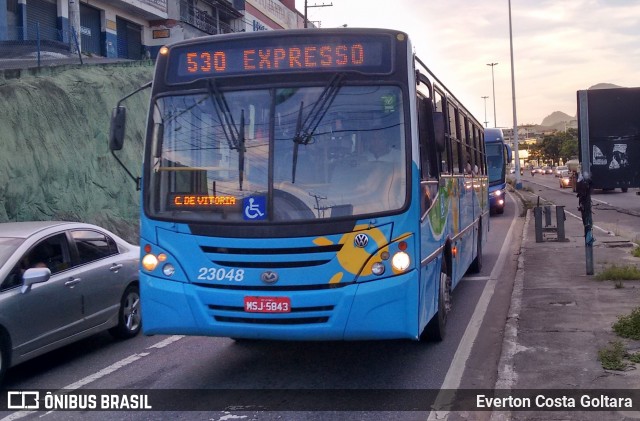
135,29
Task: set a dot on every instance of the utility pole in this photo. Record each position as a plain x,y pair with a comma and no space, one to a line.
74,24
3,20
493,83
313,5
513,97
486,123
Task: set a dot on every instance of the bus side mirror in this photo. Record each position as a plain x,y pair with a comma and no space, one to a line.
509,153
438,128
117,128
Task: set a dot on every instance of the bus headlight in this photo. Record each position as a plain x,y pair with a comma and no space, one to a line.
149,262
400,261
377,268
497,193
168,269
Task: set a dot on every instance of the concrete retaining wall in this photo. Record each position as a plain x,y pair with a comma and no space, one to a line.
54,158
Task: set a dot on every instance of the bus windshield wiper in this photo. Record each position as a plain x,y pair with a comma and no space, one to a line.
305,130
241,150
233,134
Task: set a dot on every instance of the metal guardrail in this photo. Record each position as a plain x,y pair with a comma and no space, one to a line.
34,47
558,228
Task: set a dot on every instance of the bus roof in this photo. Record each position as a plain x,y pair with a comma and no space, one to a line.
493,135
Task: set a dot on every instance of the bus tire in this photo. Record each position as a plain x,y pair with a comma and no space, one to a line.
435,330
624,189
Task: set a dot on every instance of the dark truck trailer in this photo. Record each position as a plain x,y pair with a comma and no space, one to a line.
609,137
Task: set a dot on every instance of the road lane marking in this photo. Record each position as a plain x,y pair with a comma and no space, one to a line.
476,278
105,371
594,226
166,342
458,364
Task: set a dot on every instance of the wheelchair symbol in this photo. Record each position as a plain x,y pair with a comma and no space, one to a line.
253,208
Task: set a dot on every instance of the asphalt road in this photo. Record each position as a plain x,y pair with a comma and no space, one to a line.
613,211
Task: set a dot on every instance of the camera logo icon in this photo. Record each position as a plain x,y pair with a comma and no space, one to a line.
23,400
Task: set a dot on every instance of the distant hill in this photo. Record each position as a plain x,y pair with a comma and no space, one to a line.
559,120
605,86
556,117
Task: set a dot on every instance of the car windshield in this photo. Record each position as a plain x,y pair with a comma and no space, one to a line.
278,155
8,245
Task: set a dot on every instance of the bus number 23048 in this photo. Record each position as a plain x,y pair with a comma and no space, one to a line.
220,274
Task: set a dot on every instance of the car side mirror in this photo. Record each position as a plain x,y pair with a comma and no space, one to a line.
34,276
117,128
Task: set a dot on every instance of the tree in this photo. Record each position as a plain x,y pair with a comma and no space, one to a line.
535,152
560,146
569,148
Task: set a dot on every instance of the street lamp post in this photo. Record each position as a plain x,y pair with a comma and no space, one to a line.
485,111
493,83
515,118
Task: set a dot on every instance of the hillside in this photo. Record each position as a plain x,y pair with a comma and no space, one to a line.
557,119
55,161
605,86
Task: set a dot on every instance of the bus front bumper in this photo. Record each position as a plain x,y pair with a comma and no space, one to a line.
383,309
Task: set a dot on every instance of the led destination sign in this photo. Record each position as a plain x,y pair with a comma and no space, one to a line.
370,54
200,201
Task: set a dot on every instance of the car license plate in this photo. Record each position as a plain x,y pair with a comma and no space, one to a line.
267,304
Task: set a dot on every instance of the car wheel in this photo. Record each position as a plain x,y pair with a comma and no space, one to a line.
129,317
435,330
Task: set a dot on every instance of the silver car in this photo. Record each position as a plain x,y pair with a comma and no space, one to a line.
61,282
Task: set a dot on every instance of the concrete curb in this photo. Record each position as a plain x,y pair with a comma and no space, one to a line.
507,375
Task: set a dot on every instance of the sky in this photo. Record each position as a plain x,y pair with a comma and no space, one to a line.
559,47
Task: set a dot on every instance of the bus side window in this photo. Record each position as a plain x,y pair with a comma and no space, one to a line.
456,152
428,149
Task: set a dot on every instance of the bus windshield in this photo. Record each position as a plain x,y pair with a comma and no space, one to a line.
495,162
278,155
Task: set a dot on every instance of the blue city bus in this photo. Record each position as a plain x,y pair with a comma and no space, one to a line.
498,156
316,184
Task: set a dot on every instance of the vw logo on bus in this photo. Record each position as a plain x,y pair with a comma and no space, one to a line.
269,277
361,240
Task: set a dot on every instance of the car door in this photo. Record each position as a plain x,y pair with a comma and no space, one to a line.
50,311
96,255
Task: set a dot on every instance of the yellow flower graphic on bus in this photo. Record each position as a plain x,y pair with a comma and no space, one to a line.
351,257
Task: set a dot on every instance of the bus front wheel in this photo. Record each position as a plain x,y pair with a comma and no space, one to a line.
435,330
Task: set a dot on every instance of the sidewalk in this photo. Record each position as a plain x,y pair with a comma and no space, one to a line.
560,318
